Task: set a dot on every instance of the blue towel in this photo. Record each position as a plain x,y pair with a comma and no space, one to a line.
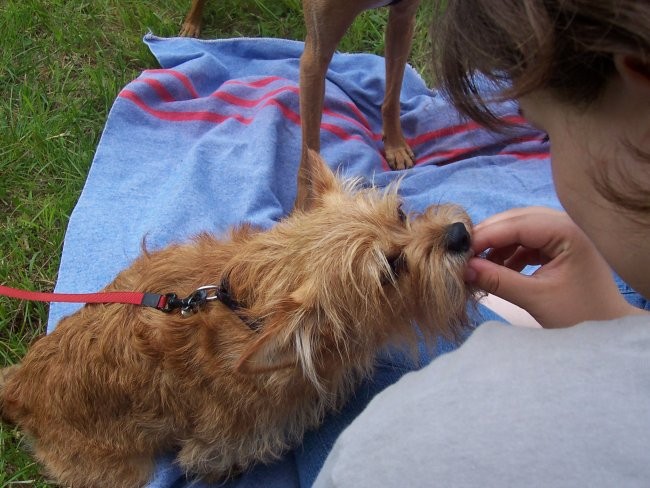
213,139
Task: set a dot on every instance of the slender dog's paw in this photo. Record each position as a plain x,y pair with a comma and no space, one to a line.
400,157
190,29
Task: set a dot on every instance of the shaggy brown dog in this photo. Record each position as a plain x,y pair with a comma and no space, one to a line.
318,296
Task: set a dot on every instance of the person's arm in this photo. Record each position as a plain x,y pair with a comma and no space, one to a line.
511,313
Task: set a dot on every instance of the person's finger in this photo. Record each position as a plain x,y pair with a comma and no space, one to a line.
543,231
503,282
502,254
516,257
523,257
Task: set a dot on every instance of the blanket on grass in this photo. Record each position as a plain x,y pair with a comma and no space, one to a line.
212,139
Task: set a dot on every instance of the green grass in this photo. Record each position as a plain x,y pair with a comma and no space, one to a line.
62,64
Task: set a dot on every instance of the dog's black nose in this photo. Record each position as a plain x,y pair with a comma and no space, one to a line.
457,238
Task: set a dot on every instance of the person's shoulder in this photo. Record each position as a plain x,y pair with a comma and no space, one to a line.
502,398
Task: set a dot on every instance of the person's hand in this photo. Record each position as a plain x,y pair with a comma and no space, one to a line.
573,284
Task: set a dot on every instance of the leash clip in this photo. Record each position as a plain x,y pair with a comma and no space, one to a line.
190,305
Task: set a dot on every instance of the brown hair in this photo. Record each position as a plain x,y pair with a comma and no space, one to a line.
564,46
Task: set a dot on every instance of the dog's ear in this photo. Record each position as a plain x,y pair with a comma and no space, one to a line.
315,179
283,342
274,349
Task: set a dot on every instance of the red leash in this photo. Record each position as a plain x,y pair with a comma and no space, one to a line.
165,303
128,297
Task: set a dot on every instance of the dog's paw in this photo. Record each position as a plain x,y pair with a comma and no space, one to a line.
190,29
401,157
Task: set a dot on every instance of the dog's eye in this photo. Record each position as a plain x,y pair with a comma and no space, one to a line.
397,264
401,214
393,262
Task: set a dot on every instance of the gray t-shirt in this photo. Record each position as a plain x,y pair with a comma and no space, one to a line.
511,407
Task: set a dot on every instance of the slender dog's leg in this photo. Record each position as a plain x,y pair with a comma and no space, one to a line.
192,24
325,27
399,37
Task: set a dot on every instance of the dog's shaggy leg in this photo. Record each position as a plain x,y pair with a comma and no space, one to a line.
209,462
5,374
100,468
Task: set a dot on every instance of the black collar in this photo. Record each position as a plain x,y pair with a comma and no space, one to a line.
201,296
224,294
